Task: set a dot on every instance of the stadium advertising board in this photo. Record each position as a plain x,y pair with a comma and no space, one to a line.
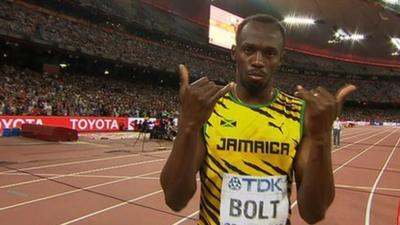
78,123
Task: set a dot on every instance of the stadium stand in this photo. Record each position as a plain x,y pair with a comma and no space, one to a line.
71,91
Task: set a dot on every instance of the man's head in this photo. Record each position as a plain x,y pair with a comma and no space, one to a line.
258,52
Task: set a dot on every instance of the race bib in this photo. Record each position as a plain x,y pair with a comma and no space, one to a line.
249,200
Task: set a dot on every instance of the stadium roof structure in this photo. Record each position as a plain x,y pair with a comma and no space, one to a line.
374,19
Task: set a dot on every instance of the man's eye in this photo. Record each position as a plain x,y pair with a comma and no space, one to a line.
269,53
248,50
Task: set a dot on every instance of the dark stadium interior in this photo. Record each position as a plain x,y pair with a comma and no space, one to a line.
90,101
128,52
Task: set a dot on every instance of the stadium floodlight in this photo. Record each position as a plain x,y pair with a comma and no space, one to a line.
298,20
392,2
396,42
341,35
357,37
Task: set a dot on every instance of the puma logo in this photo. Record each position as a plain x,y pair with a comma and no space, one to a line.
276,126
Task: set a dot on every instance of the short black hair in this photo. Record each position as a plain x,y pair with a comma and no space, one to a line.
263,18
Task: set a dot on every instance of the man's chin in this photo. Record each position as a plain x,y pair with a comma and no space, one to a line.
255,87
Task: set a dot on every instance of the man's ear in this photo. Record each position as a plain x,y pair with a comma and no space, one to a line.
233,52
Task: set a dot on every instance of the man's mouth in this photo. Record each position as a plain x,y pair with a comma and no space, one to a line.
256,75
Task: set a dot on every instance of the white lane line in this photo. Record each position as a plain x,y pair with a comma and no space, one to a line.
148,178
186,218
115,206
344,186
53,175
355,157
112,207
83,143
359,154
371,194
82,172
73,191
376,134
85,161
356,134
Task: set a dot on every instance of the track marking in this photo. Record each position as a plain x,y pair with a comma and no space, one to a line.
148,178
73,191
186,218
355,157
178,222
366,188
376,134
83,143
371,195
118,205
112,207
53,174
82,172
390,169
82,161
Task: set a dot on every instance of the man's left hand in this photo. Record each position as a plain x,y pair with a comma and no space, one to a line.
322,108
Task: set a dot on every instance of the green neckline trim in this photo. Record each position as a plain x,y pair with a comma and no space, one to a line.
234,98
302,115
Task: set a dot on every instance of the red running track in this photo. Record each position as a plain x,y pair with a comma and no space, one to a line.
97,183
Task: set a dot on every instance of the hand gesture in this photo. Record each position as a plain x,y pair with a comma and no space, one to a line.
198,99
322,108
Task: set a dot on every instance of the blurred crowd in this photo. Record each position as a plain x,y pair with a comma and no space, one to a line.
368,90
73,34
24,92
370,114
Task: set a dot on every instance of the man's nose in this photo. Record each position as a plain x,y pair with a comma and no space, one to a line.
258,60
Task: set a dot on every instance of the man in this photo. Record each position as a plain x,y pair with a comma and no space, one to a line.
249,140
337,127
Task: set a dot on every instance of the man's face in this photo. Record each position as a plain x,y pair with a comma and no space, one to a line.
258,55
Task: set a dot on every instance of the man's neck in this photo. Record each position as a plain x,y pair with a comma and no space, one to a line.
259,98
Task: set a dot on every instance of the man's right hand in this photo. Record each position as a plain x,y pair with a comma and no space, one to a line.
198,98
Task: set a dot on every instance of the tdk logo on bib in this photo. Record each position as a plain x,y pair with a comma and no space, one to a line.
256,185
263,185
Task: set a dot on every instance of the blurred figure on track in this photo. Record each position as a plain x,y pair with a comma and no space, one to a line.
337,127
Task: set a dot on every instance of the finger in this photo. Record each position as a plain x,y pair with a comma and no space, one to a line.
344,92
223,91
184,77
341,96
317,97
325,96
200,82
323,92
211,91
212,88
303,93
